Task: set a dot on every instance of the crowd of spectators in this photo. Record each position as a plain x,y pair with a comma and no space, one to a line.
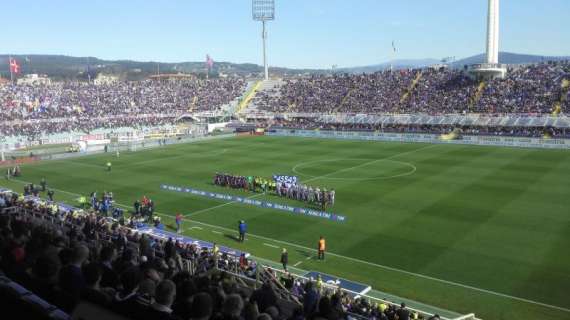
338,93
531,89
35,128
70,258
439,92
31,109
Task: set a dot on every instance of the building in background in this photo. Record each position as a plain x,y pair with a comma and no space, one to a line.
34,79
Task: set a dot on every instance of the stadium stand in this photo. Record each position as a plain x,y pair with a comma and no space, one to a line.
74,106
118,273
530,89
35,110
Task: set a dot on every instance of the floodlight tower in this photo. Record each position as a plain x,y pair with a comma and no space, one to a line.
264,10
493,32
491,68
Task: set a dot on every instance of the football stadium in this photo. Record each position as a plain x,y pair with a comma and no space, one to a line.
411,192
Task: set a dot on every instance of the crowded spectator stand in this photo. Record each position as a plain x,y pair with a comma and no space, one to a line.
74,260
528,89
32,110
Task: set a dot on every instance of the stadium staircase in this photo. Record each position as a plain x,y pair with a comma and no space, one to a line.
247,105
291,107
564,89
249,95
193,105
478,94
411,88
344,99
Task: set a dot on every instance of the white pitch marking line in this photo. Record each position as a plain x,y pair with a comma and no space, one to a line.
370,162
216,232
408,173
270,245
196,228
308,258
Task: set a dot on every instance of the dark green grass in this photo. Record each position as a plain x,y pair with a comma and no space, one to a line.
490,218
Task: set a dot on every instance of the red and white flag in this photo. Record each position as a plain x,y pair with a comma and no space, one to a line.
209,61
14,66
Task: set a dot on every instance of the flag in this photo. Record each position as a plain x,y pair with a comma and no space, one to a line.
14,66
393,46
209,61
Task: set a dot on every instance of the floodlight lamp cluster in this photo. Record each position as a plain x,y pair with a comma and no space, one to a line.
263,10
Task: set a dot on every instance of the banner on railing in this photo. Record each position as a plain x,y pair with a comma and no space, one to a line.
502,141
263,204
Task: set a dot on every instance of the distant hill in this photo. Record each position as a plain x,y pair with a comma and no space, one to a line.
396,64
62,67
509,58
504,57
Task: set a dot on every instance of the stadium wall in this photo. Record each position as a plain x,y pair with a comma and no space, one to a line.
519,142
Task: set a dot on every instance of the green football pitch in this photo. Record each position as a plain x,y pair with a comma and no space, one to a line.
466,228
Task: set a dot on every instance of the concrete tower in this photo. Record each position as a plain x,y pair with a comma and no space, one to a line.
491,68
493,32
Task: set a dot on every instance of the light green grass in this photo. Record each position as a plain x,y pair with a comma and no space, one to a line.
493,223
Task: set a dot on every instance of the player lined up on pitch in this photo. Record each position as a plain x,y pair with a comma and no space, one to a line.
286,189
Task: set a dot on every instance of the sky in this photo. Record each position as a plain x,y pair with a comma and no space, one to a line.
305,33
